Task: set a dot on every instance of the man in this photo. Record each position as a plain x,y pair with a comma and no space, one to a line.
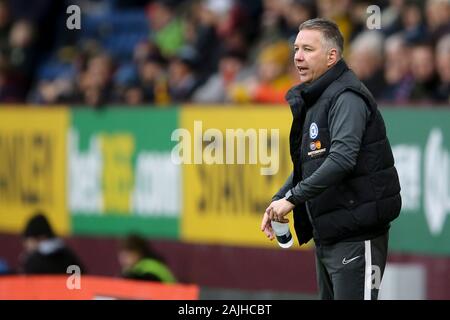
344,189
44,252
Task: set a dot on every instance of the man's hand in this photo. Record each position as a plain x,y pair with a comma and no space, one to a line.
266,227
275,212
278,209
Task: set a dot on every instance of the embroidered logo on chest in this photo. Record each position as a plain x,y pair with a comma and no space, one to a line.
313,130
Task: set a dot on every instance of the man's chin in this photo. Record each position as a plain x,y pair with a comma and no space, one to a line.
305,79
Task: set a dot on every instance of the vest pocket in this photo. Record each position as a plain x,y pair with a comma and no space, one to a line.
336,225
350,201
366,215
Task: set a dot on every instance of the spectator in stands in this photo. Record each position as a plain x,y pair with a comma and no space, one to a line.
391,17
22,53
366,60
272,80
145,50
358,16
11,85
201,33
153,79
5,24
138,261
21,46
399,81
166,26
271,29
443,69
95,83
18,57
45,253
231,21
181,78
134,95
424,73
414,28
338,11
52,92
296,12
438,18
232,69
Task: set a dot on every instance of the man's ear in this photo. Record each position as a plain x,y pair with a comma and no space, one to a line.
332,57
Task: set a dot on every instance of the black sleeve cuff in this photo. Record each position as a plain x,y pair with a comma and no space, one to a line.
290,197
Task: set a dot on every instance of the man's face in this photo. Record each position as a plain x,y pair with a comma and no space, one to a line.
443,66
128,258
30,244
422,63
311,57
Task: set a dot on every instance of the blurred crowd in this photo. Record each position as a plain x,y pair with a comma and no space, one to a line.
163,52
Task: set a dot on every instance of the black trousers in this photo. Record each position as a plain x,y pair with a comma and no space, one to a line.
351,270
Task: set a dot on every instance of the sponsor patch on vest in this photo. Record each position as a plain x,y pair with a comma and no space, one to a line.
315,145
313,130
316,152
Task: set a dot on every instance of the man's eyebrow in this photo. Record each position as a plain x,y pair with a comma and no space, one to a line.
303,45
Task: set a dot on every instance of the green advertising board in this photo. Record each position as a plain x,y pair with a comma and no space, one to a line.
119,172
420,139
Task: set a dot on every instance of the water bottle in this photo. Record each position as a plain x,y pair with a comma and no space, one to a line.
283,234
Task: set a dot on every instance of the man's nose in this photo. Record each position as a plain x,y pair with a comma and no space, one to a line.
299,56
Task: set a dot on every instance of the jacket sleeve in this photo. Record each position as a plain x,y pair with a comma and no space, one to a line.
285,188
347,120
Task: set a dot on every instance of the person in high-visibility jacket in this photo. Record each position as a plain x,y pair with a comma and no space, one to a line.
138,261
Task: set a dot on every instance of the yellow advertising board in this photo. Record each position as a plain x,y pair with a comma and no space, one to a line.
234,160
33,166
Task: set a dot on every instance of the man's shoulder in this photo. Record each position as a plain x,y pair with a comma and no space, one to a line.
347,81
350,96
350,99
350,104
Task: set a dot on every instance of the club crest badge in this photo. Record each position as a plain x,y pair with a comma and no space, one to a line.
313,130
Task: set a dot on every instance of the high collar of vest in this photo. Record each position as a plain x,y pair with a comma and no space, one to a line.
309,93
